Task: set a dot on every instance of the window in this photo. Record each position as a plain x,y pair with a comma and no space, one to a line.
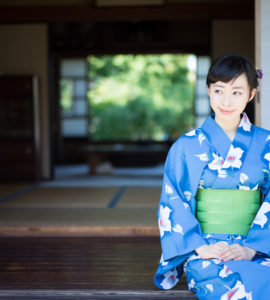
202,105
73,97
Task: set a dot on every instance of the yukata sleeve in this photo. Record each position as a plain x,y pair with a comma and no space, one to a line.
258,237
180,231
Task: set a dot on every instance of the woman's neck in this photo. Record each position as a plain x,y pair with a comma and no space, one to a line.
230,128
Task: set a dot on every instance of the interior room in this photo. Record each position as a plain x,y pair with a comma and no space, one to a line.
93,95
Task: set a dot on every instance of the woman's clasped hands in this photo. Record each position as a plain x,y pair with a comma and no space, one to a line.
225,252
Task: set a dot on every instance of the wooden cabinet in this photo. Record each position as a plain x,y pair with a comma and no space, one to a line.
19,128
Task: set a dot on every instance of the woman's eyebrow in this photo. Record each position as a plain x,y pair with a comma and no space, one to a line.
238,87
218,85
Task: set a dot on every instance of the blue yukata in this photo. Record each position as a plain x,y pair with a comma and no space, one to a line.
206,158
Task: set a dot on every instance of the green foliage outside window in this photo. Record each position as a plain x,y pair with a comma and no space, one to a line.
149,97
66,95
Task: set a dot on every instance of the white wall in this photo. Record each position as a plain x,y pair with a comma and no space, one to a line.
24,51
262,16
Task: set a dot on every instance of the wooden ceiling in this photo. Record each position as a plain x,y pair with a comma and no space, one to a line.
87,10
112,2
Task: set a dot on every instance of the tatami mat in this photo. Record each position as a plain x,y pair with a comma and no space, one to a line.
136,197
77,216
65,197
9,189
38,210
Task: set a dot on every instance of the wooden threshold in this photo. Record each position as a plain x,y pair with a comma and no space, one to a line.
73,231
94,294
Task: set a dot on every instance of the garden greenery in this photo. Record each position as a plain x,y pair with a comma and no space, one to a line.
140,97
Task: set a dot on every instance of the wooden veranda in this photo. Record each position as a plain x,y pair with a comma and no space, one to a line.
82,268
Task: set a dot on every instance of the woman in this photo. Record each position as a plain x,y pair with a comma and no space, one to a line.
214,212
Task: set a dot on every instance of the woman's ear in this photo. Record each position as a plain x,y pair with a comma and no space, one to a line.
252,94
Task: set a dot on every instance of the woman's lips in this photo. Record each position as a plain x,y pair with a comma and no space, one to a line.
227,112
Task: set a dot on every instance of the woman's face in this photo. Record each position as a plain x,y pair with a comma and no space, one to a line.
229,99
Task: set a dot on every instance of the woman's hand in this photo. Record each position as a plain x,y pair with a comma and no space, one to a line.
237,252
225,252
212,251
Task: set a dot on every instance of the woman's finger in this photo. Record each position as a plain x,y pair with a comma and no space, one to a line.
221,245
238,258
221,248
229,257
226,251
230,254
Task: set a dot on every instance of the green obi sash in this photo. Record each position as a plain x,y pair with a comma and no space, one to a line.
227,211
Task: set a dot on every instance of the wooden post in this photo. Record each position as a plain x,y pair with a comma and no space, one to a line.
257,105
262,21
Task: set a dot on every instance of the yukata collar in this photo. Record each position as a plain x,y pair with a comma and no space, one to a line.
219,139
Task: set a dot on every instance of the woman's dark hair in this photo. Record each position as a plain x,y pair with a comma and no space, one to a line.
230,66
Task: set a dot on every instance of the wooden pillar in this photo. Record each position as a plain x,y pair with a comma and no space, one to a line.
262,59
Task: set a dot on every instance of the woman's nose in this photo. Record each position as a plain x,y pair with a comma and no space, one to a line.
227,100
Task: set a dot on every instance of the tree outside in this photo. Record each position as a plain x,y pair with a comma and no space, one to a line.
140,97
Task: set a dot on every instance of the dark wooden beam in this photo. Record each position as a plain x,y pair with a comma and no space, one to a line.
184,11
196,49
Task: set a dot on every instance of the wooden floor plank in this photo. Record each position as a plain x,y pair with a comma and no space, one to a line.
85,267
94,294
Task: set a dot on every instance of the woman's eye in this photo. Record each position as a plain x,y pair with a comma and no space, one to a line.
218,91
237,93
